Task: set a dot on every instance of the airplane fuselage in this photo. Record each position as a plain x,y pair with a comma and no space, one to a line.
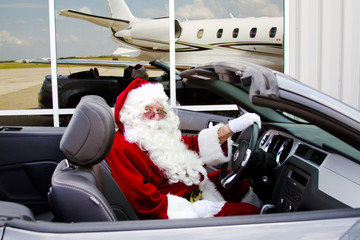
233,38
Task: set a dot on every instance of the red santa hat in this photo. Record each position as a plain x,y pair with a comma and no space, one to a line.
137,91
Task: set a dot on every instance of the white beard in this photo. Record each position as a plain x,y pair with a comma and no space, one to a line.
162,140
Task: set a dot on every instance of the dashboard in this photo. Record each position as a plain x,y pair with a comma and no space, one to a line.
308,177
283,145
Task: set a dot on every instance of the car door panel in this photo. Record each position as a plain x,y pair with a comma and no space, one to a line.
28,157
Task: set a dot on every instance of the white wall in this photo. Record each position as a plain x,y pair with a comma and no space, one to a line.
322,46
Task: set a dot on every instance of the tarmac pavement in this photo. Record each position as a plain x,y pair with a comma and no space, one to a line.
19,91
19,87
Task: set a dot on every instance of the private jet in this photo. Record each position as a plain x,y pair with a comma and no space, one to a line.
256,40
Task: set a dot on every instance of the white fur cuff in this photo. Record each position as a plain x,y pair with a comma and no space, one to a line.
211,152
209,191
179,207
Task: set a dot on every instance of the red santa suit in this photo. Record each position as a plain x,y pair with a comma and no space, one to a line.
157,190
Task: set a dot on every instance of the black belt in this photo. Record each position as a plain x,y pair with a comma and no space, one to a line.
194,196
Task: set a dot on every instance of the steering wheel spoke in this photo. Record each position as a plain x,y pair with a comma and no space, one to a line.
228,179
246,158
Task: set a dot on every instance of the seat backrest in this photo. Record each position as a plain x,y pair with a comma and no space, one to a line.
82,189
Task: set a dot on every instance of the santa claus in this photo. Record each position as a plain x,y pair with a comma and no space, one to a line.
160,171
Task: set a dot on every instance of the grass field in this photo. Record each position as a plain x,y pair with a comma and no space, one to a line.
17,65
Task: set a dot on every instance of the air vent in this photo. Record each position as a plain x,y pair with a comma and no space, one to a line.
317,157
310,154
265,138
302,150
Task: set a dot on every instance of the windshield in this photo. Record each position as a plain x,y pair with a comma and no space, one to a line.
292,116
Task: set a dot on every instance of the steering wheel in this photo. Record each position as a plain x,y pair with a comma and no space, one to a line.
241,158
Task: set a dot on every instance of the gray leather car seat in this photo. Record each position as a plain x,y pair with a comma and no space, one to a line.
82,189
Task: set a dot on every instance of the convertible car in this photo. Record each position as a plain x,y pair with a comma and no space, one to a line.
303,163
71,88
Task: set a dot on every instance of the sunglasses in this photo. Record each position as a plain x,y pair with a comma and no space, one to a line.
152,112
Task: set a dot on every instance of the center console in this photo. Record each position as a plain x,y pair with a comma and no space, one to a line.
292,190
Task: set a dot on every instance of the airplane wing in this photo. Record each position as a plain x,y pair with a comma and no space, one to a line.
87,62
113,23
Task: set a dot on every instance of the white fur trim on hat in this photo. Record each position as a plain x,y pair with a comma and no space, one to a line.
179,207
211,152
146,92
139,67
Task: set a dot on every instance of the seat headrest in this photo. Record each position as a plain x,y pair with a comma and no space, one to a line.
89,136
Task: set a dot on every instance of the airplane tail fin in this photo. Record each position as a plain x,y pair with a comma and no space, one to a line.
119,9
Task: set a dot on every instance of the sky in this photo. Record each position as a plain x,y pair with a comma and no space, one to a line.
24,24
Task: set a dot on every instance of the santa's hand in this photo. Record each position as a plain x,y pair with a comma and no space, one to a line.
244,121
205,208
